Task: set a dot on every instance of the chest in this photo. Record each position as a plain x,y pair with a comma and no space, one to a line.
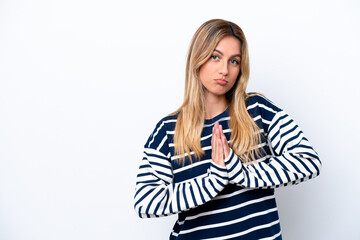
198,167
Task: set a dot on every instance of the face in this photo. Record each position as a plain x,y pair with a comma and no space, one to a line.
219,73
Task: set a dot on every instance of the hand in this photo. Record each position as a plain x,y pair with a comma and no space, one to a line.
219,145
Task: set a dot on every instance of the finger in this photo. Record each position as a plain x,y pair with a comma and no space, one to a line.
222,135
217,129
219,142
220,153
221,131
217,150
213,136
225,145
213,146
225,148
220,149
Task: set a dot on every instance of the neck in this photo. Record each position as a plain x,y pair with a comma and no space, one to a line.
214,105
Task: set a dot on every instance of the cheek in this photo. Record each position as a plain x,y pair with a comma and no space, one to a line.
201,74
235,74
204,73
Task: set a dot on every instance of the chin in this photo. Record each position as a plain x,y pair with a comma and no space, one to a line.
220,94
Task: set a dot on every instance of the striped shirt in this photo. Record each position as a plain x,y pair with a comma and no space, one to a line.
232,202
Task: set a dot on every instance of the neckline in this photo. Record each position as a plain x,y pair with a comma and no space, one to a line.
217,117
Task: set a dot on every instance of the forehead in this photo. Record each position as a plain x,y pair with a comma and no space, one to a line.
229,44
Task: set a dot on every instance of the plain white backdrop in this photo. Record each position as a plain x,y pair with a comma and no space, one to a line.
83,83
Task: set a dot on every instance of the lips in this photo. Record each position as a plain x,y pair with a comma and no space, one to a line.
221,82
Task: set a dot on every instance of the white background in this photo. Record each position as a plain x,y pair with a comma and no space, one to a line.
83,83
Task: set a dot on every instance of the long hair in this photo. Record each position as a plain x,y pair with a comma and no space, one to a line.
245,135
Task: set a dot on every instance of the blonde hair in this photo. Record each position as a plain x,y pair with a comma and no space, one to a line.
245,135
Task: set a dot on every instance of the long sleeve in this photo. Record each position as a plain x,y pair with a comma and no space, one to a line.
157,194
293,159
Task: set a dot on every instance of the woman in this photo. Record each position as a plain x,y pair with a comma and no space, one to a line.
217,159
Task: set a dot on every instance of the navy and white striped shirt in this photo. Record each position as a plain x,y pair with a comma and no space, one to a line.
232,202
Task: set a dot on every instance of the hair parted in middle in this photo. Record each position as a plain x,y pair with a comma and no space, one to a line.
245,135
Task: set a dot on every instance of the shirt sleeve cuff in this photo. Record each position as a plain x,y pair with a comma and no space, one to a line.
234,168
219,172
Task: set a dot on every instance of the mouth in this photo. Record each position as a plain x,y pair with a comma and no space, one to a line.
221,82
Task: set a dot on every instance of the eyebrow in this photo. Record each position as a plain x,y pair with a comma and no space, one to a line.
235,55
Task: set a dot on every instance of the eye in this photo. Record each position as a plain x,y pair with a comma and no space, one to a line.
235,62
214,57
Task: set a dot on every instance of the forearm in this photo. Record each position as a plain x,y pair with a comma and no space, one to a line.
154,198
284,170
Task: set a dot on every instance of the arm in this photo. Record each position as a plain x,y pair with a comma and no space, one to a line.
294,159
157,194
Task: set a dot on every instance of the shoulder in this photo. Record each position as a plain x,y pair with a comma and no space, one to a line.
262,110
258,100
161,130
167,120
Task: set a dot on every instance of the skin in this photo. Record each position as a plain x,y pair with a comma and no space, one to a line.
218,75
219,145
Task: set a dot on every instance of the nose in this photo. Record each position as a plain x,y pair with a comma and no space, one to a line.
224,68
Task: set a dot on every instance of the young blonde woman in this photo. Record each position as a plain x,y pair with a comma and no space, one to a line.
216,160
